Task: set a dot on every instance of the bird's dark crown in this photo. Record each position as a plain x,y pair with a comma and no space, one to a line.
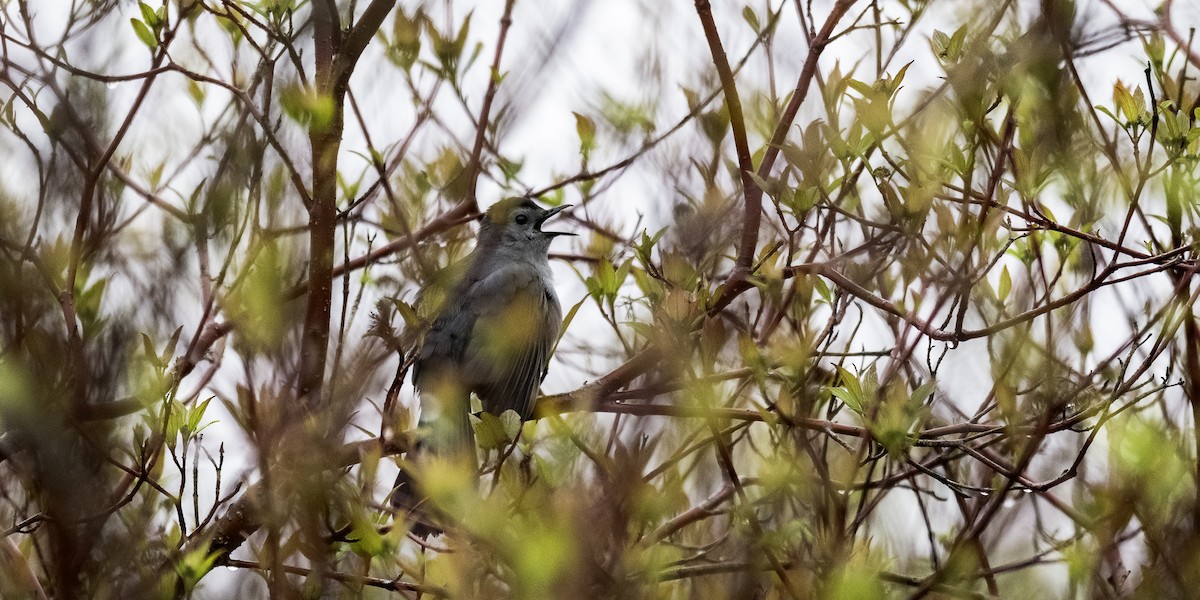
500,211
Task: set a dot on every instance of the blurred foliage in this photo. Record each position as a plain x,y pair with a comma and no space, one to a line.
957,357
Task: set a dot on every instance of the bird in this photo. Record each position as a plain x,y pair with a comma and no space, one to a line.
492,336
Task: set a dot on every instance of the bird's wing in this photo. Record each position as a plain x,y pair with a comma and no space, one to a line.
437,372
441,343
516,321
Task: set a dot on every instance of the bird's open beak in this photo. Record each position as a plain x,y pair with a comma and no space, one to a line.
550,213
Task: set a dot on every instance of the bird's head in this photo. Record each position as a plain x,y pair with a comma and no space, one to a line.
515,224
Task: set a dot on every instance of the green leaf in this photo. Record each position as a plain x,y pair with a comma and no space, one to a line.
194,417
770,187
1174,192
594,289
148,348
1005,284
750,352
143,33
1105,111
751,19
406,39
408,313
174,424
88,301
715,124
586,128
1129,105
896,441
568,318
1155,48
938,42
308,107
893,83
948,48
194,565
922,393
954,50
622,275
169,350
366,538
644,249
511,422
852,391
847,398
155,176
647,331
866,89
148,15
823,289
460,42
489,431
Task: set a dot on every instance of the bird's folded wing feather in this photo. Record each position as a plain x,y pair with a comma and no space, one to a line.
516,321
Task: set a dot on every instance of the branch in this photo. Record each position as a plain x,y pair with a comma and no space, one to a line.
335,62
244,516
736,283
475,164
461,213
357,39
324,139
394,585
700,511
750,190
325,27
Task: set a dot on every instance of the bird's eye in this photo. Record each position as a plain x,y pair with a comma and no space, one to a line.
521,219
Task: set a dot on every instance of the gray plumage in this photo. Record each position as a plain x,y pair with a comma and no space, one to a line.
492,337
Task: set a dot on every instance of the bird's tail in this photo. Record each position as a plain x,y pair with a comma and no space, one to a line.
410,503
447,436
409,500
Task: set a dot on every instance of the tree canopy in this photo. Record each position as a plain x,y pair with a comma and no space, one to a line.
870,298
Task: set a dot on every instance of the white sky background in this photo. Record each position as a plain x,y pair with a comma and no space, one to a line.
611,47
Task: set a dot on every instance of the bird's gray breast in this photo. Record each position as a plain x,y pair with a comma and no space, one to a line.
496,333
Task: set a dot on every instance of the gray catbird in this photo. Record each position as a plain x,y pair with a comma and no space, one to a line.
492,337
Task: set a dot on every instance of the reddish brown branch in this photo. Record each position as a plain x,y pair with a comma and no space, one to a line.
1191,354
752,194
736,282
475,165
333,81
393,585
